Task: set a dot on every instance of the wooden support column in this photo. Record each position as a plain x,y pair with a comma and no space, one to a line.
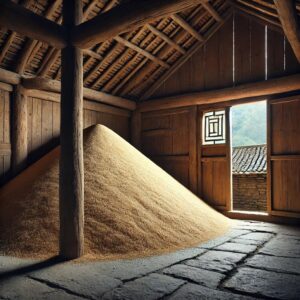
19,130
71,184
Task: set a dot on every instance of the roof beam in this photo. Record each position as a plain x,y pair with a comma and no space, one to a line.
115,21
22,20
290,23
180,21
142,51
210,9
243,91
49,85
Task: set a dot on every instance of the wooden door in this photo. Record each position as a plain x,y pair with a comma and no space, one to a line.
215,157
284,157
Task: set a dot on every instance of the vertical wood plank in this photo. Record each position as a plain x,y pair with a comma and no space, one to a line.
275,54
193,168
136,128
19,131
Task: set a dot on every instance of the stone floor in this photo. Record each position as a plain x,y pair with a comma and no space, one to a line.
254,261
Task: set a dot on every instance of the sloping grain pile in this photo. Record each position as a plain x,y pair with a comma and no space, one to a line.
132,207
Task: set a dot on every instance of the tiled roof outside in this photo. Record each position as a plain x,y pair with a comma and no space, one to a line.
249,159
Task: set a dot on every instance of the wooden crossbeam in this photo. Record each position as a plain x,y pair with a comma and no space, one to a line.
165,38
115,21
142,51
24,21
24,57
212,11
185,25
248,90
290,23
49,85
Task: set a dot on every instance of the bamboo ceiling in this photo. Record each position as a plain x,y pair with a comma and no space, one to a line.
127,65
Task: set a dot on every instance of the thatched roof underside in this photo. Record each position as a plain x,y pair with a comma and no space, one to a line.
129,64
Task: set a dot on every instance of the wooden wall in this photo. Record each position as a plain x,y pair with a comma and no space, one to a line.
44,125
168,138
243,50
5,146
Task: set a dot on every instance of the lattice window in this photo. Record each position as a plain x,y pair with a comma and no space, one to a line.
214,128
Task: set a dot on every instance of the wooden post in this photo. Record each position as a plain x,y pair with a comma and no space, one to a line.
19,130
71,185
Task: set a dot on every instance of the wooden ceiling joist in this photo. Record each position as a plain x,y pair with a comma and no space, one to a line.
115,21
165,38
142,51
180,21
290,23
212,11
24,21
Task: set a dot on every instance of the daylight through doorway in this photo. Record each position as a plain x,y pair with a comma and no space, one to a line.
249,157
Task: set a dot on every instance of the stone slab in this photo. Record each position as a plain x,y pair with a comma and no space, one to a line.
192,291
79,279
130,269
258,236
24,288
196,275
265,283
240,240
217,261
235,247
286,246
273,263
149,287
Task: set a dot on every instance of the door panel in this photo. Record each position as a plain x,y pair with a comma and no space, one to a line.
215,157
284,157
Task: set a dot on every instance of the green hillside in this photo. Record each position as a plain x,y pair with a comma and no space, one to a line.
249,124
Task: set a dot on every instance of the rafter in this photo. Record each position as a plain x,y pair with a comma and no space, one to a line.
184,24
115,22
142,51
183,59
179,36
22,62
24,21
290,23
212,11
166,38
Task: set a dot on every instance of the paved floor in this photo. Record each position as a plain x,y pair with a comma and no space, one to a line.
254,261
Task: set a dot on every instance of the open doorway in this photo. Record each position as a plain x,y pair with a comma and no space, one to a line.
249,157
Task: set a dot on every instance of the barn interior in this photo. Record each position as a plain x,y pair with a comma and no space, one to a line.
119,178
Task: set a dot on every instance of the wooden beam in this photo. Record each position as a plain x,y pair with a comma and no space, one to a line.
249,90
290,23
19,19
45,84
9,77
150,91
212,11
142,51
19,130
115,21
165,38
31,44
180,21
71,179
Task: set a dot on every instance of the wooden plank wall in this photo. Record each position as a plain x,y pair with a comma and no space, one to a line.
243,50
44,126
5,146
169,139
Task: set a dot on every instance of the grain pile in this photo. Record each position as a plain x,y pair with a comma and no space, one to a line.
132,207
